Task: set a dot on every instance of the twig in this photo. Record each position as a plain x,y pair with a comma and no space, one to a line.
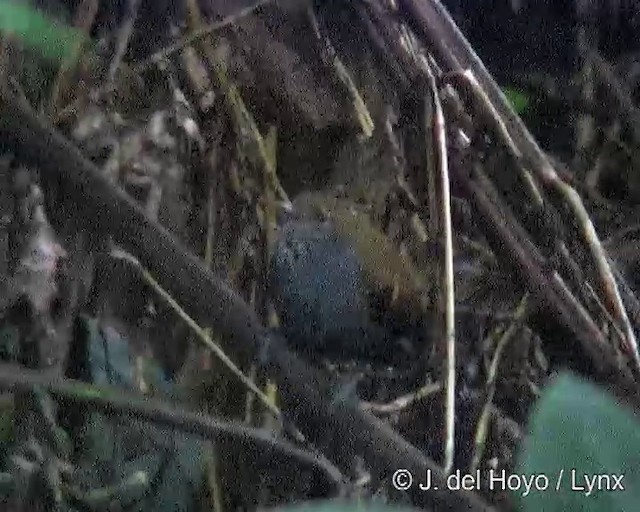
431,21
440,213
383,37
483,423
612,297
487,112
268,231
200,332
199,34
331,59
402,402
628,295
110,400
213,479
251,143
549,286
571,196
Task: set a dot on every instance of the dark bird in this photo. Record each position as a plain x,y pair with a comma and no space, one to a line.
327,278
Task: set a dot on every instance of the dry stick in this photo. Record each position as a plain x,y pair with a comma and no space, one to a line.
199,34
200,332
268,232
612,297
491,113
402,402
384,40
211,454
431,21
483,423
550,288
485,110
251,143
440,201
165,53
628,295
536,262
332,61
107,210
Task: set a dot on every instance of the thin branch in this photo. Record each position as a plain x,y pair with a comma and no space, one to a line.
482,428
198,35
199,331
110,400
402,402
431,22
440,201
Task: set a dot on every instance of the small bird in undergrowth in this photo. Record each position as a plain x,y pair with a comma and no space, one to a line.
340,287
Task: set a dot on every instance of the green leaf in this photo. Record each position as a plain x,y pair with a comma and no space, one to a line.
55,41
518,99
586,446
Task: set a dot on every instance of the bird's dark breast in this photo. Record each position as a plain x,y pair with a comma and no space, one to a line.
319,293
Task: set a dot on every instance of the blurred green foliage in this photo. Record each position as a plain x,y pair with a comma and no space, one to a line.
587,446
519,100
51,39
